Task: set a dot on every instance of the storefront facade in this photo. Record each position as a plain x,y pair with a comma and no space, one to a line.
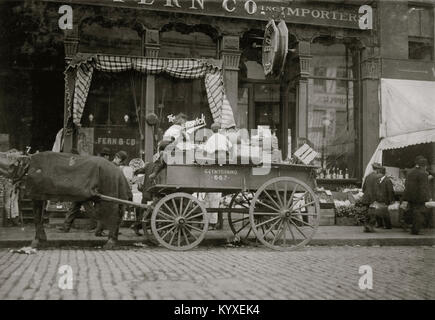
324,96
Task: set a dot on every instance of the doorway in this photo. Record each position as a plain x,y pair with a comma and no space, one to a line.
272,106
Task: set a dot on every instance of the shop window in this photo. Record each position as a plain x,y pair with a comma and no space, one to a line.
112,97
266,99
331,116
110,117
259,100
174,96
420,50
420,33
259,97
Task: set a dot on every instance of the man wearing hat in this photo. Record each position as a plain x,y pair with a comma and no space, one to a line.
384,197
369,188
105,153
120,158
417,192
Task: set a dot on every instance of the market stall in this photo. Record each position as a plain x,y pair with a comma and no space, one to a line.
407,128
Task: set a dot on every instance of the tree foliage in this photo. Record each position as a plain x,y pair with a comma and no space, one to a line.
30,35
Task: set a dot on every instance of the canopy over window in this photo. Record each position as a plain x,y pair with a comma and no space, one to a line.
79,77
407,115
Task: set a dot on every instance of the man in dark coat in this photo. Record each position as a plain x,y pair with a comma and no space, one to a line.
370,190
384,197
417,192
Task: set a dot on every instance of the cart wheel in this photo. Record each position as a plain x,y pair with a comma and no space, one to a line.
289,213
179,221
238,215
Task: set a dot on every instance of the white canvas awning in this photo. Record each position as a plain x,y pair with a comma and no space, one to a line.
407,115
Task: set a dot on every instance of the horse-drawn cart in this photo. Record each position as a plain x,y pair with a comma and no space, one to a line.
277,206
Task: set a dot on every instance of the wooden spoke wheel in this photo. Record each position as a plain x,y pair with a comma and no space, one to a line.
238,215
284,213
179,221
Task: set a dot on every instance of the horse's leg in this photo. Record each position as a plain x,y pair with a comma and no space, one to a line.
38,216
114,220
98,217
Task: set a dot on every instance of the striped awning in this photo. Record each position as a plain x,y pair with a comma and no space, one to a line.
78,77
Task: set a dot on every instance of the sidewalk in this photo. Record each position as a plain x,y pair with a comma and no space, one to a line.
325,236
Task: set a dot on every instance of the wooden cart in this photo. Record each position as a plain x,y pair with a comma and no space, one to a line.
277,206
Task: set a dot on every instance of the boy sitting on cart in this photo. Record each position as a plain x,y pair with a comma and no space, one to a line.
150,171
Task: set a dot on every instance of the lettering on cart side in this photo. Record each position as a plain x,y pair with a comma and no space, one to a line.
221,172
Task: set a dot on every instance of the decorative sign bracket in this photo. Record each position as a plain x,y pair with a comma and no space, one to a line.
275,48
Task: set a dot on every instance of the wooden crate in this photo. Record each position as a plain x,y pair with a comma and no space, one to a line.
305,154
327,217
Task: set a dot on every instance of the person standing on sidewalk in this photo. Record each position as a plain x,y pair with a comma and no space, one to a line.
369,189
417,192
384,197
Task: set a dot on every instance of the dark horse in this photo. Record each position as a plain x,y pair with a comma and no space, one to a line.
69,177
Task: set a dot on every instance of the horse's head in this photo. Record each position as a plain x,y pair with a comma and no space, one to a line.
13,165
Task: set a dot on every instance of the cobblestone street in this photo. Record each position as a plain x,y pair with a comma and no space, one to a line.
220,273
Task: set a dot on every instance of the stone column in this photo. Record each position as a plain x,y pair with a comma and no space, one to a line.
71,45
303,53
370,120
230,54
151,50
284,110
